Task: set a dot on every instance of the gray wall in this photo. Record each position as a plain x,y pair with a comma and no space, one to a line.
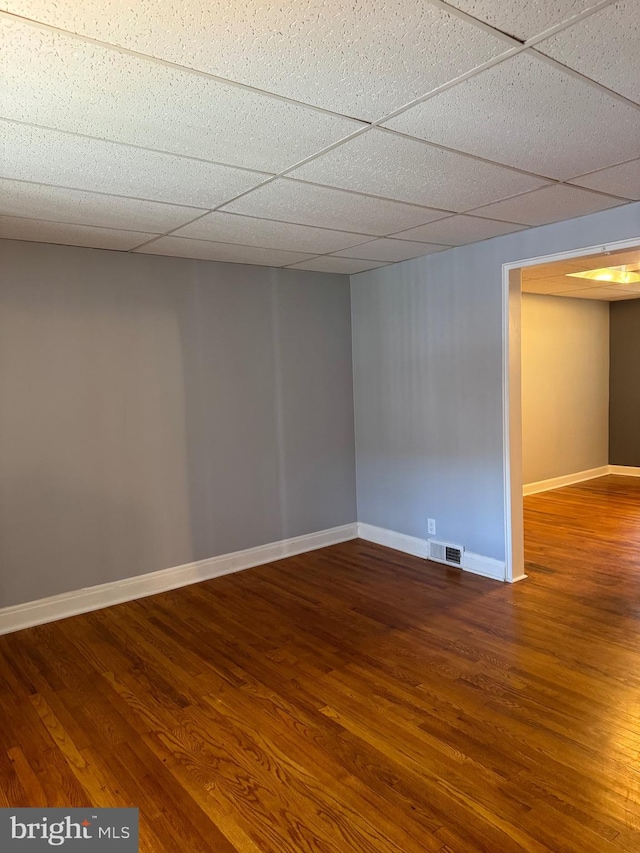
155,411
427,341
624,384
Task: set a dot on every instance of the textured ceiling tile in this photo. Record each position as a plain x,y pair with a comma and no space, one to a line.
609,294
555,284
308,204
557,287
39,231
231,228
37,201
345,266
622,180
72,85
390,250
522,18
363,59
529,114
603,46
382,163
548,205
204,250
631,287
51,157
458,230
610,259
559,282
557,269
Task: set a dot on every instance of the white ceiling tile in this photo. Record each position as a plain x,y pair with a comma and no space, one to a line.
38,201
609,294
522,18
52,157
330,263
609,259
204,250
550,204
543,287
361,59
458,230
622,180
529,114
325,207
40,231
232,228
555,278
630,287
558,270
382,163
390,250
555,270
553,285
72,85
603,46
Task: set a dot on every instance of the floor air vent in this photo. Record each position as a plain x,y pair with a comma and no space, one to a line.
444,552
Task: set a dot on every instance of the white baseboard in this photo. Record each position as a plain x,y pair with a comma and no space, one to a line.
96,597
488,567
391,539
565,480
579,477
624,470
475,563
521,577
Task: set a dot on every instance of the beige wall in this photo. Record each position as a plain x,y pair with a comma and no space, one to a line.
565,386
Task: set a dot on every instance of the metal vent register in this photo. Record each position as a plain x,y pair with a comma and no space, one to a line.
445,552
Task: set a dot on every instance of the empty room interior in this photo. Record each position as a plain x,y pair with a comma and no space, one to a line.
577,335
320,426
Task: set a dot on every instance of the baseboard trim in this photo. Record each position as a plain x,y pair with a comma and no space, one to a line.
488,567
392,539
521,577
72,603
579,477
624,470
565,480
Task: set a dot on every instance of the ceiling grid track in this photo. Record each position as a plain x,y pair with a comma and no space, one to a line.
298,167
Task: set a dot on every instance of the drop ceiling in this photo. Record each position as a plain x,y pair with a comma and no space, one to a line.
558,278
321,134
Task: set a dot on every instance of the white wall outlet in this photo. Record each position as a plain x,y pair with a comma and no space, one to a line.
431,526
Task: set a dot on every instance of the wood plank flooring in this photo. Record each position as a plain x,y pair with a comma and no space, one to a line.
354,699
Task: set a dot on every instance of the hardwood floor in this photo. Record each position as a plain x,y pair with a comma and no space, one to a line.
354,699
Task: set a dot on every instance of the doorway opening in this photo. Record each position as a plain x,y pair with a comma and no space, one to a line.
570,275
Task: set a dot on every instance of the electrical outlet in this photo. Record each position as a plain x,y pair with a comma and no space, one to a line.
431,527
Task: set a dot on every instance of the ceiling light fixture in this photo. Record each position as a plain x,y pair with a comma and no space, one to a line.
615,275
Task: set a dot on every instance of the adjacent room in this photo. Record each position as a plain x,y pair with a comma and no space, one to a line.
292,306
578,329
579,379
578,333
